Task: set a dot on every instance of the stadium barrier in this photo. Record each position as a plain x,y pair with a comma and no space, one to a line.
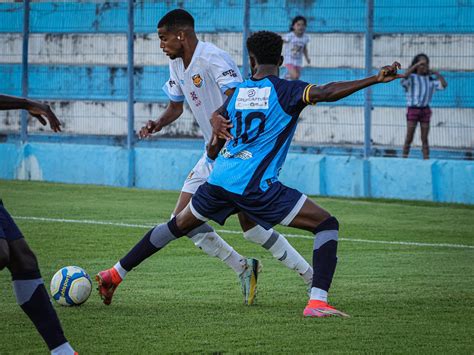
79,55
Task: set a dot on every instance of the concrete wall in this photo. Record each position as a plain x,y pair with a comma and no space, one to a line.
166,168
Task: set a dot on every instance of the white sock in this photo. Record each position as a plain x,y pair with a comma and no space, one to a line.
318,294
281,250
236,262
308,276
121,271
64,349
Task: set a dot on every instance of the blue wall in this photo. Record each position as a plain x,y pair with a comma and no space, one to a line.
441,16
166,168
65,82
82,82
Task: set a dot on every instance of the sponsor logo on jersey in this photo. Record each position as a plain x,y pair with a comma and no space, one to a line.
244,154
197,80
253,98
230,72
171,83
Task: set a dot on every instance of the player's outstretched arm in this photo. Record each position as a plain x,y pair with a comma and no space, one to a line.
338,90
36,109
171,114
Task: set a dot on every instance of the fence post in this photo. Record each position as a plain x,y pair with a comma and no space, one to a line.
131,97
24,68
245,35
369,37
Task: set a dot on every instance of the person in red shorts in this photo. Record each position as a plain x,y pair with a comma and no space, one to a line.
420,83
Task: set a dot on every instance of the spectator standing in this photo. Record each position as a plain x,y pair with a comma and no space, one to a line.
420,83
296,45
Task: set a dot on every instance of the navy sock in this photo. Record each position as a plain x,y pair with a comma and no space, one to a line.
155,239
325,253
34,300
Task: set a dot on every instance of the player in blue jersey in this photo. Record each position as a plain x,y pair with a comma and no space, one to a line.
17,256
205,76
262,115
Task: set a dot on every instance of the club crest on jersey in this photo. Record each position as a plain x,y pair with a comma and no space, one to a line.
197,80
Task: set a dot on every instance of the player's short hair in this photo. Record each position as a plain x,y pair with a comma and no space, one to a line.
176,19
296,19
417,58
266,46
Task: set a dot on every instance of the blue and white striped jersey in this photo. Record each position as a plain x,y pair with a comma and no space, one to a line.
419,89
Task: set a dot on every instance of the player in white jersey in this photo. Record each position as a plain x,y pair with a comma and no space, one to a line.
204,75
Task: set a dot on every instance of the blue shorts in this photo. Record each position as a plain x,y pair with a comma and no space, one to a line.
278,205
8,229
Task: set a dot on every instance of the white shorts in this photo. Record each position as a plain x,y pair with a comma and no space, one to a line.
198,175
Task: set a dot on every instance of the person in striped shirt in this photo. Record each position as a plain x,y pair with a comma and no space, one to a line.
420,83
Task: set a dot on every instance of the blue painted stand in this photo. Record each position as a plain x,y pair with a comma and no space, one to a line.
166,168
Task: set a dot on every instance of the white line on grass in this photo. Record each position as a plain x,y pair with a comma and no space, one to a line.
355,240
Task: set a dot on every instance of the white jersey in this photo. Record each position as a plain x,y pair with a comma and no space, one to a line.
203,83
294,48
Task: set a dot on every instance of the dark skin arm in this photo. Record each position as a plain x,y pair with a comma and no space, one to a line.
216,143
328,92
338,90
171,114
221,127
39,110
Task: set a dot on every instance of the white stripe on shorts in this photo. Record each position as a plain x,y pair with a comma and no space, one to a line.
197,214
291,216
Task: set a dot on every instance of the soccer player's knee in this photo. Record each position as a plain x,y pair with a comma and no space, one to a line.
330,223
22,258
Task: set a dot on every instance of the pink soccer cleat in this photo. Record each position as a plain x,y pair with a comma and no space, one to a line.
319,309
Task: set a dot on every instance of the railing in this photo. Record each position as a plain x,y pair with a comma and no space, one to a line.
79,55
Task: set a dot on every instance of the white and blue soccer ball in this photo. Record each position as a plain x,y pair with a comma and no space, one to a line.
71,286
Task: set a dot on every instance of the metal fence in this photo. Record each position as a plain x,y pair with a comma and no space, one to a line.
99,65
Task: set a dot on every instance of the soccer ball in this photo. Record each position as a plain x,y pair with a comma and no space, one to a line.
71,286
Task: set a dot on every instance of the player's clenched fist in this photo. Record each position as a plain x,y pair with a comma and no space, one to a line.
389,73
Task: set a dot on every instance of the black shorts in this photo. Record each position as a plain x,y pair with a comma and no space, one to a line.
8,229
278,205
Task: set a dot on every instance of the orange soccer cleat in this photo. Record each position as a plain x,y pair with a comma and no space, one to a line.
108,280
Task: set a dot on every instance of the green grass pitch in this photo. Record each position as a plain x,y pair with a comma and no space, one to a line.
402,298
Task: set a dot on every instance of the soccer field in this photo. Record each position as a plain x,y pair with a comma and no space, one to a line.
405,275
